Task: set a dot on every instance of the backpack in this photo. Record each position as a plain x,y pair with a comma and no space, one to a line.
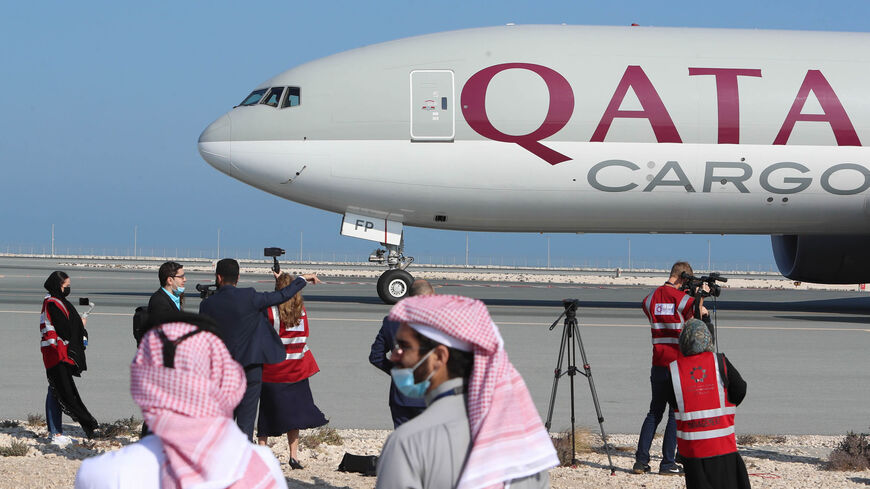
140,323
364,464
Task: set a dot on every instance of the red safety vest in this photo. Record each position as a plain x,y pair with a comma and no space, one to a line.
705,418
667,309
299,363
53,347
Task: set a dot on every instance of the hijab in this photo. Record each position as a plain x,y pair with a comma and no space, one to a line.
695,338
75,327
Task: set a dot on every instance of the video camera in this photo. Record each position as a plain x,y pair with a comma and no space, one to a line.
274,253
206,290
694,285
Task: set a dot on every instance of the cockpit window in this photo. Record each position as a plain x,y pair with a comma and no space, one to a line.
254,97
292,97
273,97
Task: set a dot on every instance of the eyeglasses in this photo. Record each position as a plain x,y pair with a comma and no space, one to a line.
177,276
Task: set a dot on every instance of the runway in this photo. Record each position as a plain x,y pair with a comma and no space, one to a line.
804,354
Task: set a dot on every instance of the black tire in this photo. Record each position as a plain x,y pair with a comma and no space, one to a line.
394,285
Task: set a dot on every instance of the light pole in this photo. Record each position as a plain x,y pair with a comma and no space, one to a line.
548,252
709,264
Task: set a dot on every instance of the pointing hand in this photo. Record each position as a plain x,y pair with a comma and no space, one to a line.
311,278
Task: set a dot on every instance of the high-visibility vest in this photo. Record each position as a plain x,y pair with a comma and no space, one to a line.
298,362
705,418
667,309
53,347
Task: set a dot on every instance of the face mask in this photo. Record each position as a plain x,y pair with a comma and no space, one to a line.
404,380
178,291
65,291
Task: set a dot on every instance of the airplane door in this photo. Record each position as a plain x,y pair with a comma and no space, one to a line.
432,105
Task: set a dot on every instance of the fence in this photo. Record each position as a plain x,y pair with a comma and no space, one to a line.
503,261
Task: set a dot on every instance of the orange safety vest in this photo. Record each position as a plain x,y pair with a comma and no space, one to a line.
53,347
705,418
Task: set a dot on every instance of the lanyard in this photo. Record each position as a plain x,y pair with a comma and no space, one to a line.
452,392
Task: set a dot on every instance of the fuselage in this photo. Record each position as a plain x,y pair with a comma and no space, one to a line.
570,129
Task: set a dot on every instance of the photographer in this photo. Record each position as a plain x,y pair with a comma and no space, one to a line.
251,340
667,308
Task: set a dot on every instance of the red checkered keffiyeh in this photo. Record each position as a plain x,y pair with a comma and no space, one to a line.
190,408
508,438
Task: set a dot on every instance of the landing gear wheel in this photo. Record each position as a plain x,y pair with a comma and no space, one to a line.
394,285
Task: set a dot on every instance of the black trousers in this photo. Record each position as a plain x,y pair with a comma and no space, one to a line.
246,412
60,379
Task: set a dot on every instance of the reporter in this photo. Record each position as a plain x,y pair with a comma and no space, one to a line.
286,403
169,298
63,337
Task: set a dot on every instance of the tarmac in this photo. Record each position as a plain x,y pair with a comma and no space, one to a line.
804,353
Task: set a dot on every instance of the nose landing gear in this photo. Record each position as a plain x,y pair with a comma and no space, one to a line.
395,283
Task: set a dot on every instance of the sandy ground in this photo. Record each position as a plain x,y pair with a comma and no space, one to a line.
773,462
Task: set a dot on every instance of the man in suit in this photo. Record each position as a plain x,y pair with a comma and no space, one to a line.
250,338
402,408
166,301
168,298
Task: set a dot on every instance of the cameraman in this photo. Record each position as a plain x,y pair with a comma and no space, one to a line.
667,309
249,336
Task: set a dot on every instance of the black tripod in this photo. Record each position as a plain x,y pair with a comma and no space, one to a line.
571,334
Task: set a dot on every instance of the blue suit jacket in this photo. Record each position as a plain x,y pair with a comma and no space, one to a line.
241,319
384,342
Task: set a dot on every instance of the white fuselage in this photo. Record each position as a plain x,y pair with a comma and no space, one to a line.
572,129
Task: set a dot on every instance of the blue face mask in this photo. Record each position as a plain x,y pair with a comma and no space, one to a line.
404,380
178,291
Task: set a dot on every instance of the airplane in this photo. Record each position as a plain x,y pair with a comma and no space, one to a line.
592,129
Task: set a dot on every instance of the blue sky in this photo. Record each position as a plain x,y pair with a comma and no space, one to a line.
103,102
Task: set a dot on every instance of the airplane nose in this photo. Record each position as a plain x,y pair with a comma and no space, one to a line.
214,144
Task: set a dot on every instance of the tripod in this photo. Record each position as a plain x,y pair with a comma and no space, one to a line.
571,335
